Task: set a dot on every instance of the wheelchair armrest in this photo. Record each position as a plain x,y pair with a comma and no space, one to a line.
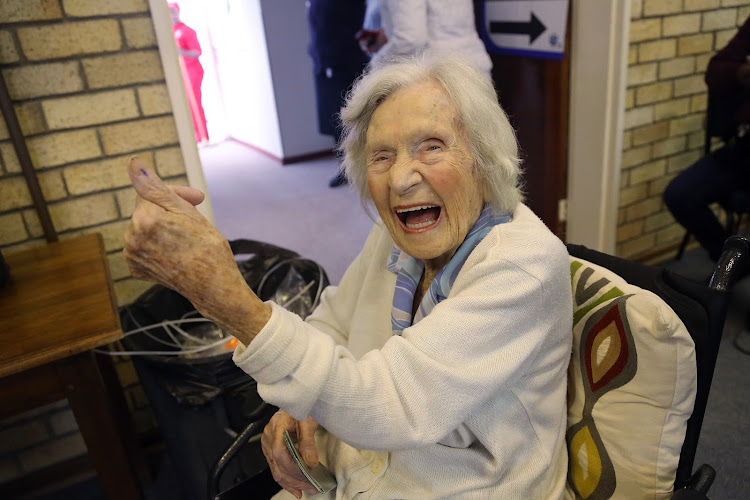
257,420
733,263
698,484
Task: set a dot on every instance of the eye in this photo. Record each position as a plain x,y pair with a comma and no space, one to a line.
379,160
432,144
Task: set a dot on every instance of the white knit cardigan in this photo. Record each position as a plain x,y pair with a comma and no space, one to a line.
467,403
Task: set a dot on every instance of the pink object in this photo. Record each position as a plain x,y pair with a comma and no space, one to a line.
192,74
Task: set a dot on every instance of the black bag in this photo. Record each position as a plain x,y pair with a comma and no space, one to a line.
202,400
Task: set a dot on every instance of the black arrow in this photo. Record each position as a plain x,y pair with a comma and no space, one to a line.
533,28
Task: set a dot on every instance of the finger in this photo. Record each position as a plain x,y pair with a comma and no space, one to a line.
266,445
191,195
277,455
292,485
287,476
306,437
151,188
282,480
272,441
284,468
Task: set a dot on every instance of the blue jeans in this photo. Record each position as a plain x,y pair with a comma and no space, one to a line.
711,179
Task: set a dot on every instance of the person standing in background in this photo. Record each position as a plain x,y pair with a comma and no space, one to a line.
372,36
440,26
192,71
337,60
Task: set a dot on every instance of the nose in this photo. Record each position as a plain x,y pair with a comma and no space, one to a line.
404,175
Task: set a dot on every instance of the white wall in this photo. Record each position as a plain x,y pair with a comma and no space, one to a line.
245,75
287,37
264,73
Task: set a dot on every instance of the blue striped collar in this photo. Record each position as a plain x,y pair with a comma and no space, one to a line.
409,271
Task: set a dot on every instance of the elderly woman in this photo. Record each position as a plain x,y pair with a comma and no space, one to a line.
437,367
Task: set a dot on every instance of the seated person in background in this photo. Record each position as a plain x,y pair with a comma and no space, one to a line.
712,178
437,368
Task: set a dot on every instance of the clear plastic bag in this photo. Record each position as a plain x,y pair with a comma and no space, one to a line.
292,293
194,356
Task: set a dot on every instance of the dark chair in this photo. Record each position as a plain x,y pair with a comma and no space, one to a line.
280,266
703,310
720,124
261,485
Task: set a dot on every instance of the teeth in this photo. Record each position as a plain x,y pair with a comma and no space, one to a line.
413,209
420,225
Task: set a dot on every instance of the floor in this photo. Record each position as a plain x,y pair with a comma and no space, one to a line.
725,435
254,197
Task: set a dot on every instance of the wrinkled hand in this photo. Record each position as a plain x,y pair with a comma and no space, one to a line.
171,243
371,41
282,465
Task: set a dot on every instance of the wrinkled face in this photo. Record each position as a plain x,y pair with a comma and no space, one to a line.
421,174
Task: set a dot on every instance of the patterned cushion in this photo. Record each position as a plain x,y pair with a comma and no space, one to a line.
631,389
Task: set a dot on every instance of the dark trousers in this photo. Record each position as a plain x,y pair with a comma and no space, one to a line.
711,179
331,86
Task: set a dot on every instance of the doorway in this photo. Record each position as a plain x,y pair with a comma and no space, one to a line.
200,17
258,84
595,111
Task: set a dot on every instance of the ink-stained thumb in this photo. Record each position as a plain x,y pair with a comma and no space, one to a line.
149,186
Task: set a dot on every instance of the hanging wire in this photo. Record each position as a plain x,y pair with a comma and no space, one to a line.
175,342
170,327
293,299
181,352
268,273
167,326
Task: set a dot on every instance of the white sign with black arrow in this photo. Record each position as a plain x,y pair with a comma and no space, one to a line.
533,28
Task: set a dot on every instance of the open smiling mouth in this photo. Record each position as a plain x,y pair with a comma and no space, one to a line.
419,217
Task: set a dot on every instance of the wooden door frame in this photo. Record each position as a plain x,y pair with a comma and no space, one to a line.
599,61
180,108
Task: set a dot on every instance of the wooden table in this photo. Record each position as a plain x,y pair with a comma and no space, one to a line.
58,306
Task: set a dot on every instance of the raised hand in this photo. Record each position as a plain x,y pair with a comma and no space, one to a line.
171,243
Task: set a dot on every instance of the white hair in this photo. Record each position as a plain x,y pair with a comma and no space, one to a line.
492,138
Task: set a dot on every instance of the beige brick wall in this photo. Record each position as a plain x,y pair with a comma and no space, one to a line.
87,85
671,42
